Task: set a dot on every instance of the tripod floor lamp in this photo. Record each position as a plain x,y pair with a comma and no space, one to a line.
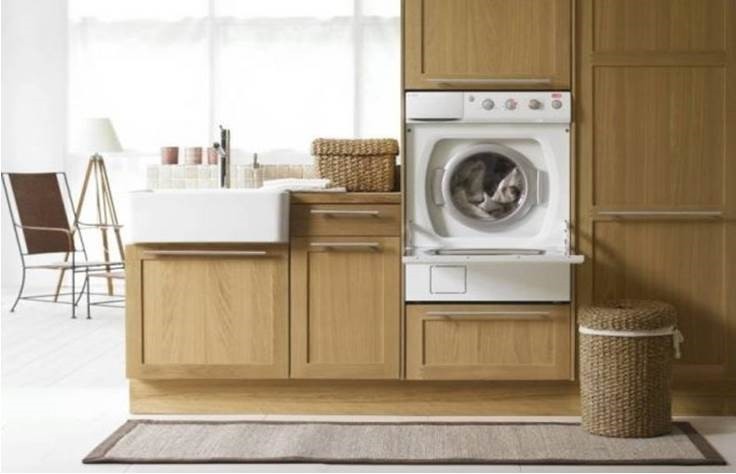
95,136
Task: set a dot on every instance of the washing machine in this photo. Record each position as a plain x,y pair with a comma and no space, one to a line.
488,196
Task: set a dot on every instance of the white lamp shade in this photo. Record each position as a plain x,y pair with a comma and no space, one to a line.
96,135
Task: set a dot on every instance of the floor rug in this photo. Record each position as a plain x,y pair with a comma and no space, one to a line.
159,441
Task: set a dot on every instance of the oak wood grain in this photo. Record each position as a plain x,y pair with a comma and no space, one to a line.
315,220
482,342
487,39
659,136
345,307
400,397
200,316
344,198
659,25
655,115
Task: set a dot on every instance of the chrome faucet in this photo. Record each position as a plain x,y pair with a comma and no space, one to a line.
223,153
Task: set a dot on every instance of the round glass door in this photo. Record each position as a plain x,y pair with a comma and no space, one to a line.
489,184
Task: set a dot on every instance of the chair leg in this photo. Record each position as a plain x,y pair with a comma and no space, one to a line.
20,291
84,285
86,278
74,294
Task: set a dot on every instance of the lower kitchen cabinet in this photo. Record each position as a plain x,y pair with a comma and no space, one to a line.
208,312
488,342
345,307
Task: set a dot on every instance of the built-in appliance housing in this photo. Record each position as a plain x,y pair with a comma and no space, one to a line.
488,196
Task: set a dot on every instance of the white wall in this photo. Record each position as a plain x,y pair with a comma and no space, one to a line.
34,96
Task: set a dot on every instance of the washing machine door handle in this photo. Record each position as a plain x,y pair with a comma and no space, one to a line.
542,188
436,186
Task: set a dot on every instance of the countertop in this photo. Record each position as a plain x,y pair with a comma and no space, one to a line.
331,197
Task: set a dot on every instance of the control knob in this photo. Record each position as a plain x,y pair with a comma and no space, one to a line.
556,104
510,104
487,104
534,104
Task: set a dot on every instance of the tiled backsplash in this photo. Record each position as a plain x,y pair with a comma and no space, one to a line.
207,176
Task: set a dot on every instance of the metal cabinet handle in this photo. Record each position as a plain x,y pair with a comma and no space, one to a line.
521,315
347,245
343,212
665,213
491,80
205,253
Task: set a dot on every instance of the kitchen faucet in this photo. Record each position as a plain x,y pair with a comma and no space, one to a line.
223,154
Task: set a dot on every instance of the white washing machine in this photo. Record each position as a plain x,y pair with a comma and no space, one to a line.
488,196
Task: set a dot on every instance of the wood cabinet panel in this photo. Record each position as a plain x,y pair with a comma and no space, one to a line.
211,316
488,342
679,262
345,306
345,219
656,169
458,44
659,25
659,136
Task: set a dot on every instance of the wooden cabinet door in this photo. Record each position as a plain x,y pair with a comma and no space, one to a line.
657,167
488,342
345,306
487,44
208,313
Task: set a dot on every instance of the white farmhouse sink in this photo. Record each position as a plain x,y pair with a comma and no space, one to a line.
209,215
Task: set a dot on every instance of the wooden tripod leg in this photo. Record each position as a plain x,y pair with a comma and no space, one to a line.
113,212
78,211
102,219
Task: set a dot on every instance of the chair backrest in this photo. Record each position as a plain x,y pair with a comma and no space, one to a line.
39,202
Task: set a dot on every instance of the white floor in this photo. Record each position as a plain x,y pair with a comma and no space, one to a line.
64,391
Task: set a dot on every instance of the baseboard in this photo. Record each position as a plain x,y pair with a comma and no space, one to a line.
392,398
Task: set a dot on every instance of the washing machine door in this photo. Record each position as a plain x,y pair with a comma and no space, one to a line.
487,185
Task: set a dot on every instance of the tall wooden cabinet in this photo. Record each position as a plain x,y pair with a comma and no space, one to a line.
487,44
656,127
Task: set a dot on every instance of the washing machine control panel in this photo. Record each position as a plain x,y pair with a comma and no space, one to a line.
489,107
512,106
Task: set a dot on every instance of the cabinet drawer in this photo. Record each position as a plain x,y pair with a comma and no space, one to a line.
341,219
488,342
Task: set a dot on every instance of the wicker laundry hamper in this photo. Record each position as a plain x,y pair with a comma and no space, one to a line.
358,165
626,352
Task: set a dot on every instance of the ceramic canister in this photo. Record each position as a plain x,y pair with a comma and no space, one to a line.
211,156
193,156
169,155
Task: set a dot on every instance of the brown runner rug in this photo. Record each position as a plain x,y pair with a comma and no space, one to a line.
157,441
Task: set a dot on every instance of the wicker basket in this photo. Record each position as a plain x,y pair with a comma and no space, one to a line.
358,165
626,352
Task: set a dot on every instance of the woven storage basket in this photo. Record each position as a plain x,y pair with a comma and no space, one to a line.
626,368
358,165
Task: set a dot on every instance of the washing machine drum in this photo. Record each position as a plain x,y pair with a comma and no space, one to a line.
488,185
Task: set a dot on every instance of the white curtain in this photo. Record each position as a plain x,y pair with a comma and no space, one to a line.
278,73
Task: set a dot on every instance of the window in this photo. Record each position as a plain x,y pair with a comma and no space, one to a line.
277,72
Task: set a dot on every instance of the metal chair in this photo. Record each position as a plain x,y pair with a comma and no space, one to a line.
40,205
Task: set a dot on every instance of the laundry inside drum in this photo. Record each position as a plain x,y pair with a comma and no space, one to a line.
488,186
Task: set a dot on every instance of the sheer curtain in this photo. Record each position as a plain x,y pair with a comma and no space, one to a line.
277,72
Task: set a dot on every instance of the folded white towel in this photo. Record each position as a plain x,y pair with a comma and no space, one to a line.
296,184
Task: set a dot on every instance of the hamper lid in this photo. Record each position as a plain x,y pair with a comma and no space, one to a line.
628,315
362,146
